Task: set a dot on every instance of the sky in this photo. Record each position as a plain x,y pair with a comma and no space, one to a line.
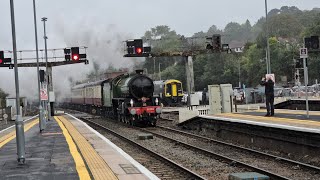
102,25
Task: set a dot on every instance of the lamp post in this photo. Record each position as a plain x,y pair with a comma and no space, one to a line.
267,37
41,122
160,71
239,74
44,19
154,68
20,140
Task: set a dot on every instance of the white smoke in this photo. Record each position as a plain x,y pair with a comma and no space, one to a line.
105,47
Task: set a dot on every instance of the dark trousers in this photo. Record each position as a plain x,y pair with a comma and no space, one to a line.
269,104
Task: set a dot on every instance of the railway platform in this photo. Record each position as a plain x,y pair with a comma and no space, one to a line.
67,149
288,132
284,119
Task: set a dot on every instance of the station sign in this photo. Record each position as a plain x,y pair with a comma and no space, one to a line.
43,94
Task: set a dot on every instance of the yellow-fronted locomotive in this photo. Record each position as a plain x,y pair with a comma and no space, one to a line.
169,91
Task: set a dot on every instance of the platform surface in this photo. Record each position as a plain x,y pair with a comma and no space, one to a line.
47,155
66,149
287,119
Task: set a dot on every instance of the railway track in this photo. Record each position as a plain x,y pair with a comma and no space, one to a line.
281,168
161,166
273,166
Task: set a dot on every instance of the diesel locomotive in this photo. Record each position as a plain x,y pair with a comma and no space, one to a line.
169,91
127,97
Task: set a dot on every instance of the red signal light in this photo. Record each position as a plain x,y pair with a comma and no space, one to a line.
138,50
1,57
75,57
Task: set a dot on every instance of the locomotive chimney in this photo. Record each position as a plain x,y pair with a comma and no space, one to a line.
139,71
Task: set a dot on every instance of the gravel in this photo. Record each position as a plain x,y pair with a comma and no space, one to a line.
263,162
202,164
303,158
156,166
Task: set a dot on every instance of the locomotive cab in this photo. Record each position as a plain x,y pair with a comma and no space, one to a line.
169,91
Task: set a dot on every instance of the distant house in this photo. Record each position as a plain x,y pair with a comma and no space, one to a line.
237,46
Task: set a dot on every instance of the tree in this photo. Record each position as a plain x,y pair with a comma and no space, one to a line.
287,25
314,29
3,94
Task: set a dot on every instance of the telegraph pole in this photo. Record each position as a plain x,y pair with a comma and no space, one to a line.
190,77
44,19
267,36
159,71
41,121
304,55
20,140
154,67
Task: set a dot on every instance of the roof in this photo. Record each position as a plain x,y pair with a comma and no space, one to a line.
79,86
172,80
236,44
166,81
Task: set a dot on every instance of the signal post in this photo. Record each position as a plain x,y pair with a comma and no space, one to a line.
311,44
72,55
134,48
190,77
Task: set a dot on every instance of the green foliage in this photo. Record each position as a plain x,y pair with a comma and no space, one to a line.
3,94
314,28
287,27
162,38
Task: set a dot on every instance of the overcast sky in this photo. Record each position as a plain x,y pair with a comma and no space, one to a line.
103,24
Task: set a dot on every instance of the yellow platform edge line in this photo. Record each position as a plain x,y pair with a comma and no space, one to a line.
7,138
80,165
274,119
290,111
10,134
97,165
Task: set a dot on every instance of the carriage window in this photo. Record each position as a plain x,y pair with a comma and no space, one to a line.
169,89
179,87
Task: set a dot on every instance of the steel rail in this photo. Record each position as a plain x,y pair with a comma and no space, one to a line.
219,156
180,168
312,167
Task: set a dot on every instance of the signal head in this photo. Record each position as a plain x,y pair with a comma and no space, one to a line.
315,42
75,53
75,57
138,50
1,57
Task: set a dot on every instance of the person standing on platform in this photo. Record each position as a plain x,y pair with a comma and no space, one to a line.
269,92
